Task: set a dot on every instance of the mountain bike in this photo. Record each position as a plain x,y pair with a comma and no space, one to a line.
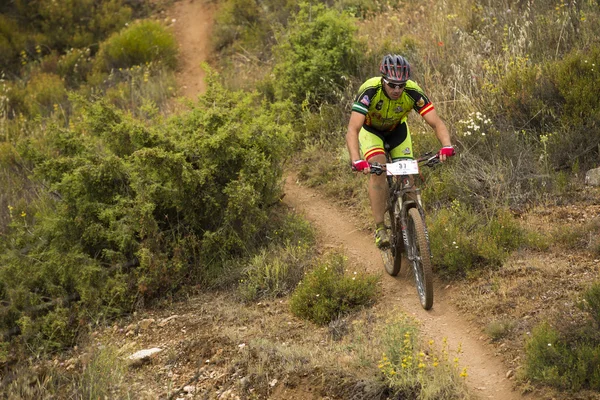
404,219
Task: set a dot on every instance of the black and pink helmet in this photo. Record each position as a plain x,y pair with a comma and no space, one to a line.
395,68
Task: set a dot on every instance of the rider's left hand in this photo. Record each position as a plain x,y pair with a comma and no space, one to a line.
445,152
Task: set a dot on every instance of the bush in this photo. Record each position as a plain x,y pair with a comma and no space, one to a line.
316,56
12,41
592,299
281,264
584,237
74,67
326,293
551,360
241,21
499,329
141,211
463,241
274,271
141,43
45,94
416,370
545,100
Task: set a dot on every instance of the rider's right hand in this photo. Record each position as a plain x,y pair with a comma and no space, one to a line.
359,165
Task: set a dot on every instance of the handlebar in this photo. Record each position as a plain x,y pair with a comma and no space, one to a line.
426,159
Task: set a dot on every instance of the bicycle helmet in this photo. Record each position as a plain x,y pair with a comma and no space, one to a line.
395,68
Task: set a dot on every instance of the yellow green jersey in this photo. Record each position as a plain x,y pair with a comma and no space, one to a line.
384,114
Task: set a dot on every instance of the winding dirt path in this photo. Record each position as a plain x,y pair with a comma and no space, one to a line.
193,22
487,375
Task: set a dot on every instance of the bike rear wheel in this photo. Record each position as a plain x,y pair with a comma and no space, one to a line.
420,255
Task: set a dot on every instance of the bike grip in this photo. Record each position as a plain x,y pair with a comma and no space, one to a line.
359,165
447,151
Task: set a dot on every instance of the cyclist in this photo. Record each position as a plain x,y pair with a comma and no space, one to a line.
378,117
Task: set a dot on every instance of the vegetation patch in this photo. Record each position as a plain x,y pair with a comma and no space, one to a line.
330,291
416,370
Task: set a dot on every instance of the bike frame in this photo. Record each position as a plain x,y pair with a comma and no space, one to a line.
406,215
400,187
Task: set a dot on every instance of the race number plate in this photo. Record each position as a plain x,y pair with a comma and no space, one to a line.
403,167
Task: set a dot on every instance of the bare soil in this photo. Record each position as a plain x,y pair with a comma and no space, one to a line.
192,22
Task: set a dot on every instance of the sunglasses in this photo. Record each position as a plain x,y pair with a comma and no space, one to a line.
394,85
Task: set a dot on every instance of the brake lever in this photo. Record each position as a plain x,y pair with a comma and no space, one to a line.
376,168
433,161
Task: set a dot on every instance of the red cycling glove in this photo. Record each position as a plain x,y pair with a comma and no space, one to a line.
359,165
447,151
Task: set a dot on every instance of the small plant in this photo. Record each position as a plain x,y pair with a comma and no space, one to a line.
327,292
580,237
572,364
592,302
499,329
141,43
463,240
415,370
274,271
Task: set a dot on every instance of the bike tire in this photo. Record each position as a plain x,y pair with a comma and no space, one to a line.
388,255
417,237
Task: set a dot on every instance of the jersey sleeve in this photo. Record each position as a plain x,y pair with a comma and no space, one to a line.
366,93
422,104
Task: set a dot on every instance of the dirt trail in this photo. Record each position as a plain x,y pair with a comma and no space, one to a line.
193,26
487,375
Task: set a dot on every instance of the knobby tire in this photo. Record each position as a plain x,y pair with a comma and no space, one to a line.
422,263
392,255
389,261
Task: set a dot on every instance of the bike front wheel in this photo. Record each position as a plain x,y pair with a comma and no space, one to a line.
420,257
393,254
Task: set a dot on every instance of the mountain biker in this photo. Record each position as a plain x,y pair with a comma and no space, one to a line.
378,117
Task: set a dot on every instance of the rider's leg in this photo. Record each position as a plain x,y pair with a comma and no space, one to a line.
378,191
372,149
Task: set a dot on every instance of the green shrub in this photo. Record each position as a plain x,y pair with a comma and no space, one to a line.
278,267
45,94
463,241
274,271
238,20
12,42
416,370
130,212
583,237
576,139
592,299
572,365
74,67
326,292
546,100
499,329
316,56
139,44
80,23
